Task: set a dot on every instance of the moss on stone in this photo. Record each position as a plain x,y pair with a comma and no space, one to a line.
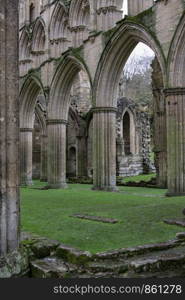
15,264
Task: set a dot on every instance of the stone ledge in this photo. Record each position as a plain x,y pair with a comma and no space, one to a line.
134,251
73,255
50,267
39,247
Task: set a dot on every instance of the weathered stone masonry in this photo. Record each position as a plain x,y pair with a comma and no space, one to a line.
50,60
93,38
9,127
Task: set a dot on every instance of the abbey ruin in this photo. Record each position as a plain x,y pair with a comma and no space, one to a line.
61,115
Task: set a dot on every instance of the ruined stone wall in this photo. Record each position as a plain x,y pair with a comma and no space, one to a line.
138,161
81,94
137,6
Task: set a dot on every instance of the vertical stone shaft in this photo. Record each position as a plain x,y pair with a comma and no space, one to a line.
9,127
43,170
26,151
160,137
81,156
104,148
57,153
175,103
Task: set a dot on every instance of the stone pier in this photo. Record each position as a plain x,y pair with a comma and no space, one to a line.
175,104
9,127
26,148
104,148
56,153
43,168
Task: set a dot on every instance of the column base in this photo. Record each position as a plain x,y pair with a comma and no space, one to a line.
175,194
43,179
106,188
57,186
26,183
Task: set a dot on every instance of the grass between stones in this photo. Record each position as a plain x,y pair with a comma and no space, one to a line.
140,212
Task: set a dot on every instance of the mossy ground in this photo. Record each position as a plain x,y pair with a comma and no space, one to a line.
140,212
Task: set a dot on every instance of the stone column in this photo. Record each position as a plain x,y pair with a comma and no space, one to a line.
160,137
104,148
9,127
81,156
120,153
175,106
43,159
26,151
56,153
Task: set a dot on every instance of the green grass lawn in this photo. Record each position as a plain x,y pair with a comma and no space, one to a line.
140,212
139,178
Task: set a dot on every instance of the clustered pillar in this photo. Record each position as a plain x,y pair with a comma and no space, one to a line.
160,137
43,169
104,148
175,106
26,148
56,153
81,155
9,127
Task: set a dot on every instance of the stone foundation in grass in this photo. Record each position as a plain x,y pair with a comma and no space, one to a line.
95,218
178,222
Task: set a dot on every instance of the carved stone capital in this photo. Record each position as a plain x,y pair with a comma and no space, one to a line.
56,121
174,91
102,109
26,129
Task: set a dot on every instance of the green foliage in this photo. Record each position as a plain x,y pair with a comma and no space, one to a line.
140,212
139,178
138,87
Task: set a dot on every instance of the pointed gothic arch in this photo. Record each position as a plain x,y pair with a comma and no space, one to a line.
24,45
106,83
79,15
28,99
39,37
59,24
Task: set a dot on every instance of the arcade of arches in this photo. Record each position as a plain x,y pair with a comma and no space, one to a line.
72,121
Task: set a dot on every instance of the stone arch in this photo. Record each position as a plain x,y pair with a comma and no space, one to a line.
58,109
114,56
58,28
24,52
24,45
79,15
176,57
61,85
28,99
39,37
